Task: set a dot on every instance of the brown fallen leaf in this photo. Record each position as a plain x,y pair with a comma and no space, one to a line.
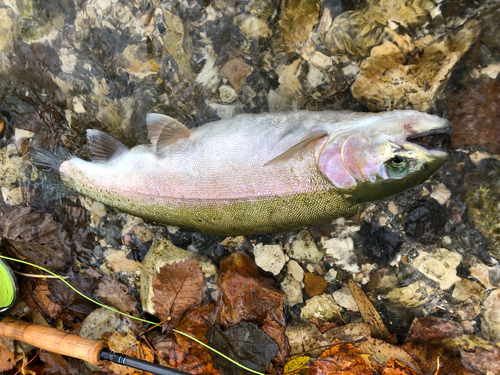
55,364
322,327
125,342
185,354
41,301
433,328
424,354
177,287
343,359
113,293
276,331
35,237
7,361
314,284
246,294
370,314
382,352
393,367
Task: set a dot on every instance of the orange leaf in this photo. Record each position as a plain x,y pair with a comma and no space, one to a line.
342,359
177,287
7,361
276,331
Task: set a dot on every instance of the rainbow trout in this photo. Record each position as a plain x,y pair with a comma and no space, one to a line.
255,173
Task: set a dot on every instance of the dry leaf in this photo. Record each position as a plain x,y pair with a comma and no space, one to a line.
113,293
177,287
35,237
246,295
276,331
7,361
41,294
55,364
128,344
314,284
370,314
344,359
382,352
393,367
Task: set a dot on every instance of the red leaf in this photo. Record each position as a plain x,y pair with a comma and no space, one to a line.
177,287
246,295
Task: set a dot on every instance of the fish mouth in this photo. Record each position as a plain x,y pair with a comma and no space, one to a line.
433,139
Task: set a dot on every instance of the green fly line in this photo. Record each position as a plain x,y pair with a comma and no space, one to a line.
9,286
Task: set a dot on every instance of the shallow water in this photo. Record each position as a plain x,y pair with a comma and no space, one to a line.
67,66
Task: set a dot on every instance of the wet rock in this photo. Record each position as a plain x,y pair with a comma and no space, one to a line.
12,167
294,269
331,275
162,252
413,295
341,252
387,80
304,248
440,266
292,289
426,221
490,322
468,291
269,257
236,71
289,94
380,243
441,193
345,298
322,307
227,94
483,189
297,21
314,284
472,111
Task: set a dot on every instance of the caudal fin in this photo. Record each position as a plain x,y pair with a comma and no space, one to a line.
48,163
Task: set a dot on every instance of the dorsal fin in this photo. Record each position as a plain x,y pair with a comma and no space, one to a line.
164,130
312,136
104,147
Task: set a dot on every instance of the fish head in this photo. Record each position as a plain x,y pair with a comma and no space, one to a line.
377,156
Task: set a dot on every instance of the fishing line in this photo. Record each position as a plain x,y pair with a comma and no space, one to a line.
11,282
7,286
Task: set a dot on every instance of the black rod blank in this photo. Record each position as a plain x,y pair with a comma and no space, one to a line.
138,364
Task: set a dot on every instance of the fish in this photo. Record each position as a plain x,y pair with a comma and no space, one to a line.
255,173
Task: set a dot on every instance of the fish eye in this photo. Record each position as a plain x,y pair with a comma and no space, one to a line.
185,239
397,167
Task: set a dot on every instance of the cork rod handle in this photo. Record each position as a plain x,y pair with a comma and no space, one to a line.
52,339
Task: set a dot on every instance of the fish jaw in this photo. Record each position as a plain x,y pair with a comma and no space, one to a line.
376,157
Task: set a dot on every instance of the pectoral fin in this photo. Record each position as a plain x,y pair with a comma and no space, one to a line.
312,136
164,130
104,147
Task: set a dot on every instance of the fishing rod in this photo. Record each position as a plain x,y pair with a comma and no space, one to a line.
60,342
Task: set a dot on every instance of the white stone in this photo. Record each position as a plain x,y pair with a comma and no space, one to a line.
342,252
477,156
269,257
304,248
21,133
322,307
292,289
491,70
331,275
441,193
315,76
392,208
345,298
321,61
227,94
294,269
440,266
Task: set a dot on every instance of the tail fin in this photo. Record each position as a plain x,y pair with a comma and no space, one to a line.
48,163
